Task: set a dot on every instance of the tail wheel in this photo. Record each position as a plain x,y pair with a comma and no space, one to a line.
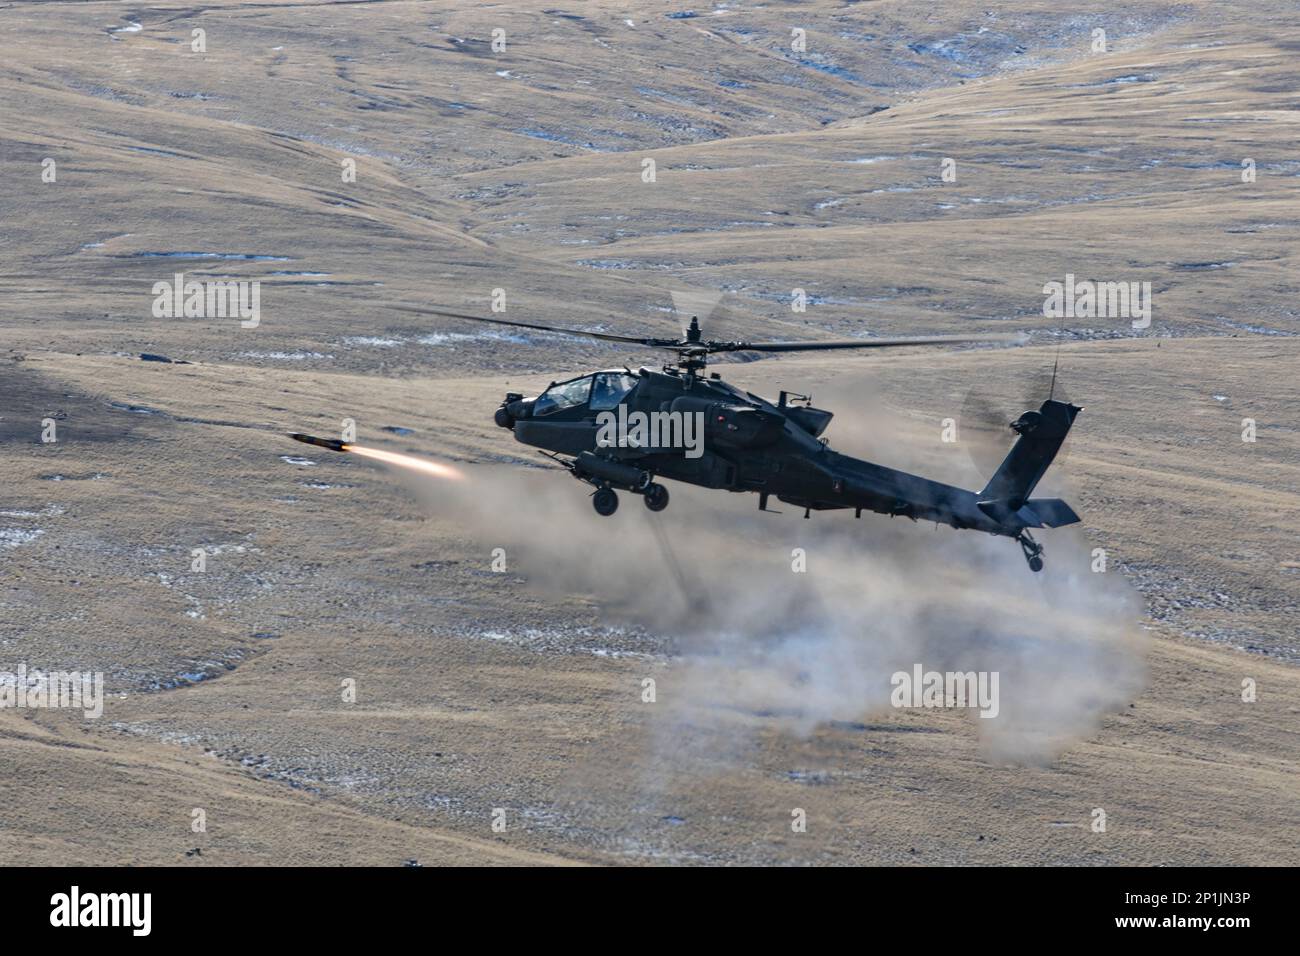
605,502
1033,551
656,497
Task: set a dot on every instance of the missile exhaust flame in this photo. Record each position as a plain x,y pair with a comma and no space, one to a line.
422,465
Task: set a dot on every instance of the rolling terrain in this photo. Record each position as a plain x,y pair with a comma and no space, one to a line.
523,170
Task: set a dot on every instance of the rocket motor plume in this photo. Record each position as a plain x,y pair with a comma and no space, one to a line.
422,465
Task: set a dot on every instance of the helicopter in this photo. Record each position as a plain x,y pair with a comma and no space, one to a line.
715,435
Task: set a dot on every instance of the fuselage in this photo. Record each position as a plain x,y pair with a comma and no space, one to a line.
747,444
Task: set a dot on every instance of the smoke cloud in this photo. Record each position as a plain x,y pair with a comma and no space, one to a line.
751,635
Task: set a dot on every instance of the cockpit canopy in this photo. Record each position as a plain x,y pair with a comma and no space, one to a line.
600,391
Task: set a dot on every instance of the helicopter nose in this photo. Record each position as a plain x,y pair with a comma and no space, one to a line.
513,408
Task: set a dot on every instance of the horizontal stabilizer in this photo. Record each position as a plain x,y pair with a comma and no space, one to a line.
1034,513
1051,512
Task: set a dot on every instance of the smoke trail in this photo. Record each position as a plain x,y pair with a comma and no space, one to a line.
756,636
422,465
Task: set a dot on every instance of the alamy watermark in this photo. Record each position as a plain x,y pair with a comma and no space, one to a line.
651,430
1086,299
130,910
209,299
38,690
922,688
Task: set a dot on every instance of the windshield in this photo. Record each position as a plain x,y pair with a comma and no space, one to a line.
562,396
610,388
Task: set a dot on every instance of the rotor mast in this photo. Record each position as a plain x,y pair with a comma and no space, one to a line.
692,355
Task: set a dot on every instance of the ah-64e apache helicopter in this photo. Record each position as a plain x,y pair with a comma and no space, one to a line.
775,450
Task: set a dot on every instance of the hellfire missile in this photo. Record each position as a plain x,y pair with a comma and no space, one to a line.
331,443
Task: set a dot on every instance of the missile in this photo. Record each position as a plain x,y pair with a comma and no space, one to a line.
330,443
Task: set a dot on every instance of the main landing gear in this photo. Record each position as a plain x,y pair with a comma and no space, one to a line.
1032,549
605,500
656,497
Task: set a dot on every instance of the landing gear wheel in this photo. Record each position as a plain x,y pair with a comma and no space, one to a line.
1033,551
656,497
605,502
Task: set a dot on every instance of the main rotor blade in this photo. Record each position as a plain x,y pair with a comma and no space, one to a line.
854,343
604,336
680,345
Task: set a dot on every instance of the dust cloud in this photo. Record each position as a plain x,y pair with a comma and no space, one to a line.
750,634
878,596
